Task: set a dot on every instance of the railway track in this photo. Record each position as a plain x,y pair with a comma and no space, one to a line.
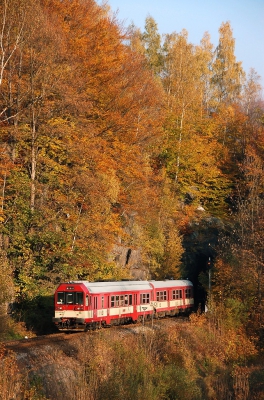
38,341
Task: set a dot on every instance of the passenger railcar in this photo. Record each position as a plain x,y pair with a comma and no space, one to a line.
82,305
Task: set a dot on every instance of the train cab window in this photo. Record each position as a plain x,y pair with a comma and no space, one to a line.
61,298
79,298
188,293
176,294
69,298
144,298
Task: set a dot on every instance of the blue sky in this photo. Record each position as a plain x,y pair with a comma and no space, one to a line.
198,16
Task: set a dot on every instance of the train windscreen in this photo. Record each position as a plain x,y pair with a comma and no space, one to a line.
70,298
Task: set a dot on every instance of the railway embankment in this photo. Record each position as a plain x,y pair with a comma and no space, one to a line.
172,358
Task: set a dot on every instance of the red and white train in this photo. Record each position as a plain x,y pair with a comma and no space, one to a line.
82,305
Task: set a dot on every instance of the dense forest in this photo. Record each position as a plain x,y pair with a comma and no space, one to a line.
128,154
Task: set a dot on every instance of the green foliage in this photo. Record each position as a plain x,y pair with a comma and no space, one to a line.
236,313
37,313
179,385
227,72
151,40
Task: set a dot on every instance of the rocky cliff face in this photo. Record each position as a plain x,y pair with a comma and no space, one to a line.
126,257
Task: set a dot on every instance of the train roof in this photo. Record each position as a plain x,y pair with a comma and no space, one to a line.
171,283
123,286
115,286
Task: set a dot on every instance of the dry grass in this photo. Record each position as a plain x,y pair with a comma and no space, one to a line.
189,361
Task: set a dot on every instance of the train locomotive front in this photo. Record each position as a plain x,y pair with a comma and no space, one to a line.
71,306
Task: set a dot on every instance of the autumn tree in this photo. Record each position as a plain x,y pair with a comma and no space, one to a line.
13,15
204,53
12,23
192,149
151,40
135,39
228,74
87,130
242,256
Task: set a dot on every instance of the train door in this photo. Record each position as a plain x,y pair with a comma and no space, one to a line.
95,306
135,316
87,301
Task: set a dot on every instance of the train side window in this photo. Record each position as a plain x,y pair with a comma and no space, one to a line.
130,300
95,303
102,301
121,301
187,293
144,298
126,300
69,298
162,295
61,298
87,300
176,294
112,301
